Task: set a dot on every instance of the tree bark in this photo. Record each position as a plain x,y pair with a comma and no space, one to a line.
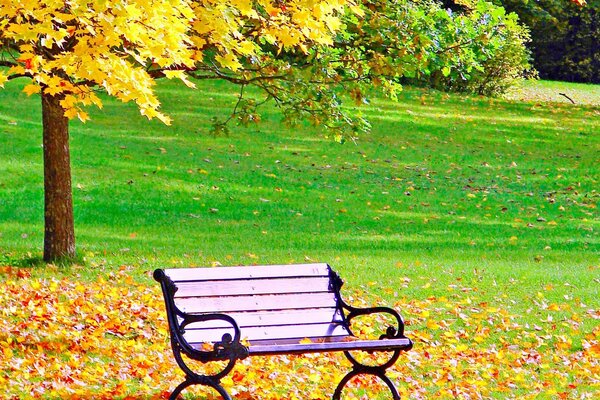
59,232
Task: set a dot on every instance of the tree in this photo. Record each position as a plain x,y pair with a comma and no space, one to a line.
564,37
69,48
293,50
566,43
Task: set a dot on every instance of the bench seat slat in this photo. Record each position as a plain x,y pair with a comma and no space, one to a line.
271,332
300,348
218,288
319,344
195,274
273,318
256,303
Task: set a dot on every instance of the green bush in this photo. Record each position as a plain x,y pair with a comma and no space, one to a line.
480,49
506,59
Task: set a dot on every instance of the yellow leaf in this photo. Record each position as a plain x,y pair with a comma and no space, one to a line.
431,324
181,76
357,10
229,61
68,102
288,38
246,47
174,74
17,69
3,79
83,116
71,112
53,90
462,347
32,89
333,23
165,119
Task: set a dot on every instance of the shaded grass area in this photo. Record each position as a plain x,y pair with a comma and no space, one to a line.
488,204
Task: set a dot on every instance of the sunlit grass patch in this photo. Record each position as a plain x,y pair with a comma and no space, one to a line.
557,92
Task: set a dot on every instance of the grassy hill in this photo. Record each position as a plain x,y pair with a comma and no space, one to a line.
443,182
481,199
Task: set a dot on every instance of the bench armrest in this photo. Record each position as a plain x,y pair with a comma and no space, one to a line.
228,348
391,332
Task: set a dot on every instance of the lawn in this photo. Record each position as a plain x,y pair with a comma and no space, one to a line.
476,217
557,92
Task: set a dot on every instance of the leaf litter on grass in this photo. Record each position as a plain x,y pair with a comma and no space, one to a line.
108,339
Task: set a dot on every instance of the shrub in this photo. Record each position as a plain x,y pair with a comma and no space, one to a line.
479,48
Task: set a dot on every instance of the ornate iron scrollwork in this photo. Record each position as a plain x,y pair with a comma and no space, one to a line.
228,349
358,368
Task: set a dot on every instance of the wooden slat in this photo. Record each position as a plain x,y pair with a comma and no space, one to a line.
299,348
274,318
254,286
272,332
208,273
281,342
338,343
255,303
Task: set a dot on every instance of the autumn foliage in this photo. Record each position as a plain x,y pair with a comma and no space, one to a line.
68,48
107,339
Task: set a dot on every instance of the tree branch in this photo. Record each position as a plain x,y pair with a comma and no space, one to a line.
567,97
237,80
456,46
15,76
240,98
4,63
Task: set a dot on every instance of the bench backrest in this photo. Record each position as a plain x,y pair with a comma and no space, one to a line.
271,304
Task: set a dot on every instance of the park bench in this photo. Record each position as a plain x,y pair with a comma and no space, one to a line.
229,313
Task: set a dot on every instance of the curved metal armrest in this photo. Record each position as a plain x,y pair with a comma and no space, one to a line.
228,348
391,331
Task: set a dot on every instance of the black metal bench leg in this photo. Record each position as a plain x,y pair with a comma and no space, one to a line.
369,371
179,389
206,382
391,386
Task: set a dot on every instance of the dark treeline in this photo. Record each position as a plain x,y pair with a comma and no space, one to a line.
565,37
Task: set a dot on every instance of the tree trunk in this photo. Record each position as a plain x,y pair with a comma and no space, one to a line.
59,233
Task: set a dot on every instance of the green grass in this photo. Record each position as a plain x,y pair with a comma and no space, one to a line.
497,195
456,209
557,92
